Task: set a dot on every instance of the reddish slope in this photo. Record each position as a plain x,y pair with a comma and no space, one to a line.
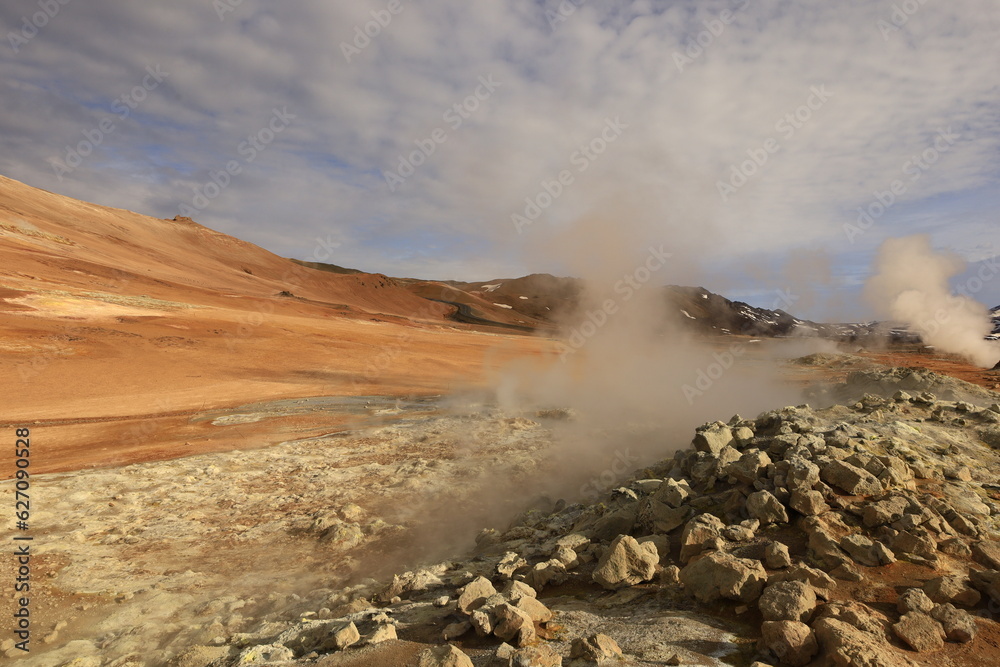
53,240
117,330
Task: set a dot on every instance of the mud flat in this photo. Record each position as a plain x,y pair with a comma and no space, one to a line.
137,563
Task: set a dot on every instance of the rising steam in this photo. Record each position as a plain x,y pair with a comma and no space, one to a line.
637,380
911,285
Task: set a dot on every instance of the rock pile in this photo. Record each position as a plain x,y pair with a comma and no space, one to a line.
856,535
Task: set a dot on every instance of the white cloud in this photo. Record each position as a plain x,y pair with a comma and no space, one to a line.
324,174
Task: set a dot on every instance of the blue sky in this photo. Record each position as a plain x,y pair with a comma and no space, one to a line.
743,136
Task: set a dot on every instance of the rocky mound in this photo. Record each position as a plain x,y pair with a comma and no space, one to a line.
855,535
887,381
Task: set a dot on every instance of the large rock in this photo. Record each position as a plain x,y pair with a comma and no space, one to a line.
808,502
921,546
920,631
843,644
776,556
535,610
856,614
914,599
443,656
802,474
713,438
383,632
475,594
861,549
987,582
513,625
619,522
673,493
699,530
987,553
792,642
319,636
822,544
750,467
660,518
344,636
788,601
884,511
952,589
850,479
821,582
959,625
626,563
552,571
763,506
721,575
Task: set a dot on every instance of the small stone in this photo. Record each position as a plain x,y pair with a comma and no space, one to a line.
883,512
670,575
914,599
955,546
443,656
597,647
346,635
821,582
791,641
536,656
384,632
481,619
883,554
505,651
456,630
442,601
963,474
737,533
765,507
776,556
846,572
256,655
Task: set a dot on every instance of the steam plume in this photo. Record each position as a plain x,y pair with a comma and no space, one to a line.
911,285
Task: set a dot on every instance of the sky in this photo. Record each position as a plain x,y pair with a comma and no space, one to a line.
770,147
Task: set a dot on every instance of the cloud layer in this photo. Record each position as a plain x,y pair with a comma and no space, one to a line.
747,133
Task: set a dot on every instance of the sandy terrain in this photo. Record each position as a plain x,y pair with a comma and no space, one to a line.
117,330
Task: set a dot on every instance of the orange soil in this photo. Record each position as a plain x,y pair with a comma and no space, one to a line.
117,328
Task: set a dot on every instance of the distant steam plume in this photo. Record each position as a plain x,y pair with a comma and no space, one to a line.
911,285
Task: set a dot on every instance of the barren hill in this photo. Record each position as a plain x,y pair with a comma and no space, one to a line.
110,319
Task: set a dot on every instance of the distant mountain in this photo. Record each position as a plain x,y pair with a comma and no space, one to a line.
543,298
996,324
